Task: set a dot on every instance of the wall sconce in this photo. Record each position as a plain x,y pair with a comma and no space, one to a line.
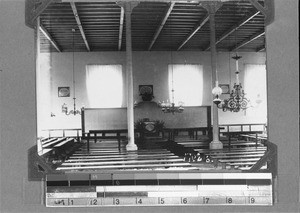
64,108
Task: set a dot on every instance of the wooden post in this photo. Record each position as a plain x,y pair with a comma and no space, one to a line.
212,7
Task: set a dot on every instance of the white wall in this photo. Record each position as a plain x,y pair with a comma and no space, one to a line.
148,68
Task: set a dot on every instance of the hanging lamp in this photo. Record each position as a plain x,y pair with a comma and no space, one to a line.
170,107
74,111
237,100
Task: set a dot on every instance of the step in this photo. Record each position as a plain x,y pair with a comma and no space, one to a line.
121,158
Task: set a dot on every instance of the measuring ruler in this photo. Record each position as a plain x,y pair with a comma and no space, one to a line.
150,189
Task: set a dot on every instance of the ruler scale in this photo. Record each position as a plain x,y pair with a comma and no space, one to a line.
158,189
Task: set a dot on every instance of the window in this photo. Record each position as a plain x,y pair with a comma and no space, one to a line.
104,86
256,89
187,82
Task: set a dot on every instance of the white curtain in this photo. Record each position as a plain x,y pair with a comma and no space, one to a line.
104,86
256,88
187,82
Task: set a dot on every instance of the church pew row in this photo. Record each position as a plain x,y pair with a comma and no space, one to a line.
99,156
56,150
96,135
117,158
238,152
48,144
48,154
197,144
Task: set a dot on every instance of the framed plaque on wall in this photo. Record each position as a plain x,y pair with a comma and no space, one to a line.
63,91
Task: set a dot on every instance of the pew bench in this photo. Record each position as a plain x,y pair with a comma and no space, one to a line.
232,136
106,134
192,132
49,144
56,150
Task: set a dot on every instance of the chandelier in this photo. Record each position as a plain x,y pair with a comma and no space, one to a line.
237,99
64,107
170,107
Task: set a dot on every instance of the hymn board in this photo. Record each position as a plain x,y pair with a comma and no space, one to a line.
158,189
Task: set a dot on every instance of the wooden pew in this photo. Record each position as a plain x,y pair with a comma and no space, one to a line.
55,133
112,159
237,135
192,132
102,134
50,143
56,150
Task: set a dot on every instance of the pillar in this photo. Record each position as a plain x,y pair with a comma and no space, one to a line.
211,8
128,7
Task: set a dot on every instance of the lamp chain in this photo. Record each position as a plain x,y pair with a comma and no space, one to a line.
73,30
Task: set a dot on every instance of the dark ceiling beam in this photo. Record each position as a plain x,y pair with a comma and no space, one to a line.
259,7
49,37
261,48
158,30
196,29
235,27
267,9
74,9
121,28
33,9
247,41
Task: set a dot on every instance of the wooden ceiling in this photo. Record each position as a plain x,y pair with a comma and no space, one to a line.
156,26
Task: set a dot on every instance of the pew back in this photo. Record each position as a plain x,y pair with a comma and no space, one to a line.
116,118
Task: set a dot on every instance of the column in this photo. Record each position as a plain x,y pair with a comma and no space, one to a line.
128,6
211,8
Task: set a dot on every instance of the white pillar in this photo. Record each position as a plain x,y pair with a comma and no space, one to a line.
128,6
212,7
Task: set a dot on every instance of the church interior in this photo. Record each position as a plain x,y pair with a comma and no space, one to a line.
72,103
158,103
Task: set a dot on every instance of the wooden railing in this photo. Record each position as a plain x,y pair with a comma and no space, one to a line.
63,133
243,127
270,158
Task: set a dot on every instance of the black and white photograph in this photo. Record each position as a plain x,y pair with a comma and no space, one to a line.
149,106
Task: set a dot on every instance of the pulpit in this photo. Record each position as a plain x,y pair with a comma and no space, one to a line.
149,128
